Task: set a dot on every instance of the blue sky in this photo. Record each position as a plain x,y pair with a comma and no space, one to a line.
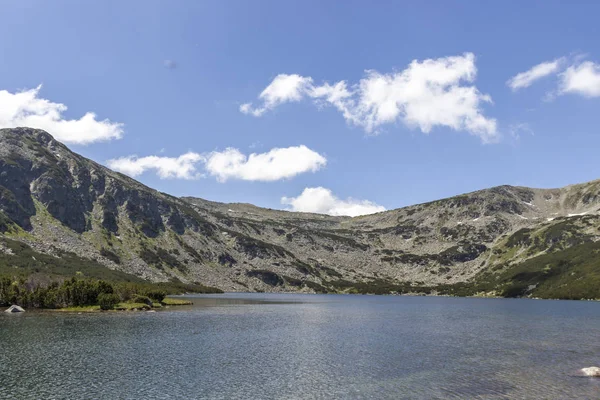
175,73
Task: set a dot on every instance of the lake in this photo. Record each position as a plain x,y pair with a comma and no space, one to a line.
287,346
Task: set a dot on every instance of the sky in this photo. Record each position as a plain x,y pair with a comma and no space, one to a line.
337,107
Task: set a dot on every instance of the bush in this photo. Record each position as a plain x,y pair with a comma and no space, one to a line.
157,295
43,291
107,301
138,298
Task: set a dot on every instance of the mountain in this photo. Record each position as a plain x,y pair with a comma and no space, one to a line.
507,240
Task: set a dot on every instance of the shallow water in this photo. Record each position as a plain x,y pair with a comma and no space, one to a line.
273,346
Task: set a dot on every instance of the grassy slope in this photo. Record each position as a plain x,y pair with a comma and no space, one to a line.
573,273
25,262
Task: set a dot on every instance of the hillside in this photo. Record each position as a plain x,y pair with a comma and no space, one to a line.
500,241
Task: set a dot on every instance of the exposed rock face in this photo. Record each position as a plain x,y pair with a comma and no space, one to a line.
55,200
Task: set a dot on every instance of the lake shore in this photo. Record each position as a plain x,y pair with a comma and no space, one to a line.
125,306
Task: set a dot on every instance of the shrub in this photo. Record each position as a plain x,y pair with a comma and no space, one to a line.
138,298
157,295
107,301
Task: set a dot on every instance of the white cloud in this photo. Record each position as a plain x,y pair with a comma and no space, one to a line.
323,201
182,167
426,94
583,79
27,109
525,79
284,88
278,163
580,77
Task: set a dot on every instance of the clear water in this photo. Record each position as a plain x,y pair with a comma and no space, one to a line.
268,346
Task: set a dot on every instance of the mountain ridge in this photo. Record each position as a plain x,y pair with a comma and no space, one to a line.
55,201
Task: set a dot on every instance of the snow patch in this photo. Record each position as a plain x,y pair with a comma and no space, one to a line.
476,219
230,210
549,219
529,204
522,217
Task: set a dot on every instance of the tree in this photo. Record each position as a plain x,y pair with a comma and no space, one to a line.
108,301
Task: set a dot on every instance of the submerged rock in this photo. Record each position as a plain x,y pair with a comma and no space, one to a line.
591,371
14,309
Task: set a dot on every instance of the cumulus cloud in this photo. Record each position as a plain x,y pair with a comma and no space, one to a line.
574,77
182,167
278,163
323,201
284,88
582,79
26,108
525,79
429,93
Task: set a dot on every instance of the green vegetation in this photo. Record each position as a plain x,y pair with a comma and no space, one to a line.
573,273
140,298
268,277
110,255
522,237
36,280
461,253
107,301
329,271
25,261
5,223
455,254
292,281
169,301
80,309
342,239
255,248
132,306
304,268
316,287
160,257
35,292
375,286
189,249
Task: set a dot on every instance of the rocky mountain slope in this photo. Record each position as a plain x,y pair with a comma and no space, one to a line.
58,203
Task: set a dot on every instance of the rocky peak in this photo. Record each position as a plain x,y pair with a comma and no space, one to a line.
55,201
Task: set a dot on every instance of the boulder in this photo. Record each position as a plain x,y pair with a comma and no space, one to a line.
591,371
15,309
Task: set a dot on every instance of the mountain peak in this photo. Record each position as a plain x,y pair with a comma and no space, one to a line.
57,201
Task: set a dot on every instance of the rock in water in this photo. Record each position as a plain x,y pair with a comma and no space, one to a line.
591,371
15,309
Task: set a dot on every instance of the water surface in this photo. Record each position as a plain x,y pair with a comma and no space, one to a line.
273,346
